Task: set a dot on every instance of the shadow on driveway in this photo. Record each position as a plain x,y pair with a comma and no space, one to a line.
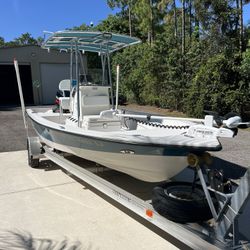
24,240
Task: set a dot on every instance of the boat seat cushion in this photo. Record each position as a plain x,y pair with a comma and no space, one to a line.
95,100
95,122
93,105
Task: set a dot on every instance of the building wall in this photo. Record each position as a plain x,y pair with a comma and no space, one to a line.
34,56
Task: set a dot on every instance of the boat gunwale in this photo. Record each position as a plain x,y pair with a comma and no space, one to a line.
165,146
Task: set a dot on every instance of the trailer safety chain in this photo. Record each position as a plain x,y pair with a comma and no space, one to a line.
157,125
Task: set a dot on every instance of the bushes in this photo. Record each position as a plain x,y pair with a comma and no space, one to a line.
154,75
137,76
217,85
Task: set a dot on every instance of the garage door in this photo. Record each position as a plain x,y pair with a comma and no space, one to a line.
9,90
51,75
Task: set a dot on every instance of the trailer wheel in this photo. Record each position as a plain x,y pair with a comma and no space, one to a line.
177,202
34,163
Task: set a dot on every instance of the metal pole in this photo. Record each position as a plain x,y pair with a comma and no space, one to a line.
110,81
71,76
117,85
71,67
83,68
161,117
103,60
77,84
208,197
20,91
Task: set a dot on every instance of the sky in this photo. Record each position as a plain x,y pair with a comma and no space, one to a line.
35,16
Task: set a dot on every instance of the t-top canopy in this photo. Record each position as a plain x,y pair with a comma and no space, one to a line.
89,41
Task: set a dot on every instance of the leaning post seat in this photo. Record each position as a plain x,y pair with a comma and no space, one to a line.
94,99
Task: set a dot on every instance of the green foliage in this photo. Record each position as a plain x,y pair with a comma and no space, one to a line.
1,41
216,86
115,24
23,39
211,73
245,67
82,27
136,73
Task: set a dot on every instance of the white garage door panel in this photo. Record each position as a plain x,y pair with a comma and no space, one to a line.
51,75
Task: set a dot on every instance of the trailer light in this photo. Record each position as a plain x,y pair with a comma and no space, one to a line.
192,160
149,213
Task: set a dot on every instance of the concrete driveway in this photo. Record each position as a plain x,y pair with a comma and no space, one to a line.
47,209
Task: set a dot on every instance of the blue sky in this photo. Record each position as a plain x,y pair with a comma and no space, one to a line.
35,16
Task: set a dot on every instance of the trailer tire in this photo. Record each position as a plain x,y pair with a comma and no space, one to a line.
34,163
174,201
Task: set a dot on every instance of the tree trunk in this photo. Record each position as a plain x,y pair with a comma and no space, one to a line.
183,44
151,31
175,19
129,19
241,25
237,16
197,28
190,19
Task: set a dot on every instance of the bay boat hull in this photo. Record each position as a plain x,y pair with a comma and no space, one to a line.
142,167
147,162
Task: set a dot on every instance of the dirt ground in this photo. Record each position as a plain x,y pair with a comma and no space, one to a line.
153,110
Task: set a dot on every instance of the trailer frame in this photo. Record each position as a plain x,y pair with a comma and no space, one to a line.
189,236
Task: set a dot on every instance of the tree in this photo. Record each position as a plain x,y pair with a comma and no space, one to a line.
25,39
239,4
40,40
210,73
82,27
2,41
138,77
183,23
125,5
143,12
149,18
114,23
216,86
163,5
190,18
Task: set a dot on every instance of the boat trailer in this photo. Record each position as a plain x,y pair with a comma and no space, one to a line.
222,234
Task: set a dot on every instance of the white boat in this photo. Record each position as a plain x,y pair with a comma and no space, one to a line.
149,148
